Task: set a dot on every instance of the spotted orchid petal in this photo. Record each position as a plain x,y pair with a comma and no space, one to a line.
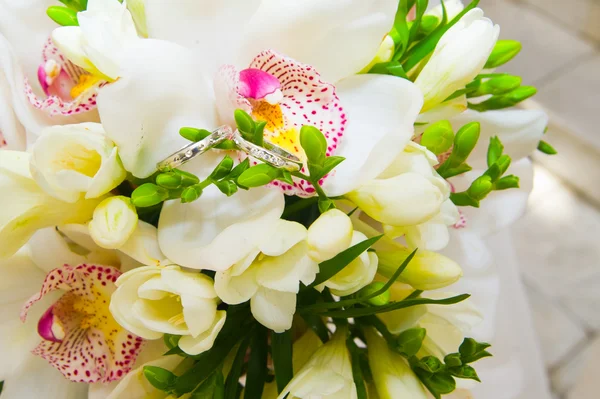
287,95
69,89
81,338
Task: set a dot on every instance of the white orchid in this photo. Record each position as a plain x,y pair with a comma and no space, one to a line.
26,208
74,160
459,56
152,301
105,31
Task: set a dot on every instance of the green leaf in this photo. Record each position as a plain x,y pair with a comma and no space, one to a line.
507,182
392,68
232,381
257,365
471,350
239,169
330,164
227,187
400,33
223,168
421,7
171,341
259,132
333,266
191,194
357,375
428,24
374,288
63,16
367,311
281,351
438,137
464,372
148,195
495,150
286,177
77,5
259,175
409,342
315,322
422,49
504,51
160,378
212,388
546,148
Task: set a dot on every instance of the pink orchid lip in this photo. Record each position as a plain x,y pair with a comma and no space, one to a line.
259,85
49,327
43,78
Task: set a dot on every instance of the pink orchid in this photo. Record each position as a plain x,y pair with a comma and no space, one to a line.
80,336
287,95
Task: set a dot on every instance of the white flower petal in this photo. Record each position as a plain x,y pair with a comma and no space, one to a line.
188,283
329,235
217,231
274,309
284,272
203,342
69,39
285,235
198,313
161,90
389,124
234,290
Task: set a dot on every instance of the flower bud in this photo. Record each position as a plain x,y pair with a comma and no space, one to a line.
504,51
465,141
63,16
148,194
223,168
506,100
314,144
426,271
481,187
176,179
329,235
495,86
259,175
191,194
381,299
114,221
438,137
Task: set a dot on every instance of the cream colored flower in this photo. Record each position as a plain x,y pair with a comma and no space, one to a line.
326,375
114,221
74,160
458,57
105,30
26,208
152,301
329,235
392,375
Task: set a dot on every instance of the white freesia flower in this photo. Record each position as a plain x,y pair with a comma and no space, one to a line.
392,375
68,161
137,8
97,45
410,199
358,274
152,301
26,208
453,8
270,276
458,57
327,374
329,235
113,223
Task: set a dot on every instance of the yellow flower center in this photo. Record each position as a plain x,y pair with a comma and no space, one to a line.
275,132
86,82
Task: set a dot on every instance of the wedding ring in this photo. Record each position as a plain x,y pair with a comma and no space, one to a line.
185,154
270,153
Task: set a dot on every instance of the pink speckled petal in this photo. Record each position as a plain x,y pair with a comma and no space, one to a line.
58,101
307,100
94,347
257,84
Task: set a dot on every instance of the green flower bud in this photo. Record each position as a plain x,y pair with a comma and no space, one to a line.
77,5
409,342
496,85
160,378
191,194
314,144
223,168
176,179
506,100
245,123
453,360
465,141
504,51
381,299
481,187
227,187
149,194
428,24
195,135
63,16
507,182
438,137
495,150
464,199
546,148
259,175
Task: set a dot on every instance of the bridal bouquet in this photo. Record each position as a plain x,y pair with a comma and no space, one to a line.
247,198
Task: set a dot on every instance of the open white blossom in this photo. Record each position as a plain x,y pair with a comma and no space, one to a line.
74,160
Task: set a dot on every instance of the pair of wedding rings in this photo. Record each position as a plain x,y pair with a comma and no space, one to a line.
270,153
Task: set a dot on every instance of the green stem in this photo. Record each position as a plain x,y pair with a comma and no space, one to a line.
316,185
